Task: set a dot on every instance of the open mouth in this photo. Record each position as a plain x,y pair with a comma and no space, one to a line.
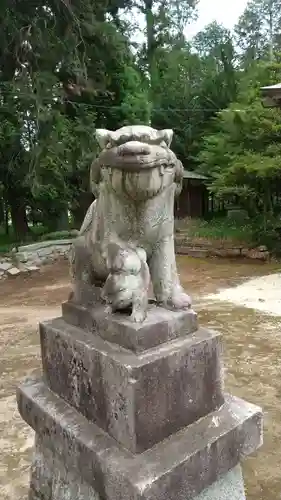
135,156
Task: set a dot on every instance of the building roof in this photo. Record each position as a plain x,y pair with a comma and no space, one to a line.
272,87
188,174
271,95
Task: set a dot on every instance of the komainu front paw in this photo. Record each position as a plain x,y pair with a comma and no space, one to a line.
177,300
180,300
138,316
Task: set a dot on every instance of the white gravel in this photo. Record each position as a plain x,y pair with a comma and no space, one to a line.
262,294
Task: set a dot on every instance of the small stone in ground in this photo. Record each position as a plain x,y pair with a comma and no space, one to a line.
32,268
14,271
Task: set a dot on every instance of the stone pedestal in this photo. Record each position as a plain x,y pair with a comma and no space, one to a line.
137,412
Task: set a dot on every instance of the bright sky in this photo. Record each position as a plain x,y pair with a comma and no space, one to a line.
222,11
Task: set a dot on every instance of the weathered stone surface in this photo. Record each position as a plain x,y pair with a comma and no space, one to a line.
179,468
31,257
22,256
227,252
135,180
32,268
228,487
206,249
138,399
5,266
200,253
160,326
51,480
34,247
257,254
43,252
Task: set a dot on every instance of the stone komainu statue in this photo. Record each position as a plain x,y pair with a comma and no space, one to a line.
128,231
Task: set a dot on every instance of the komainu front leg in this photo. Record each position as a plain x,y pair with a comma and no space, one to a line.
166,285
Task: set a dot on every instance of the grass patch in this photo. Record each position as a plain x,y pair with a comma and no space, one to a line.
219,229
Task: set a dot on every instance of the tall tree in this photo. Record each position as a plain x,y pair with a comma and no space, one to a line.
258,30
165,21
212,40
65,68
193,86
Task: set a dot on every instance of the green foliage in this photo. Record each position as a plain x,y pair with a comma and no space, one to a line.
242,155
69,68
192,87
65,70
222,229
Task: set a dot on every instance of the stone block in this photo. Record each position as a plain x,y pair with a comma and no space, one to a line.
139,399
5,266
34,247
32,268
160,326
179,468
13,271
44,252
201,253
22,256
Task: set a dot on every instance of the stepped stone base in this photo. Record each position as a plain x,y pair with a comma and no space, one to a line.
139,399
160,326
52,480
134,412
76,456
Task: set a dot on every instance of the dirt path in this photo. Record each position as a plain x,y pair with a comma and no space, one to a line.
252,357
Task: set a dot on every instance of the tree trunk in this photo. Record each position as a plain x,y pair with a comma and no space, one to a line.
151,47
2,212
271,34
7,214
79,211
19,219
62,220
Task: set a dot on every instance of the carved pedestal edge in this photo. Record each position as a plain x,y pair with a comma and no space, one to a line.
179,467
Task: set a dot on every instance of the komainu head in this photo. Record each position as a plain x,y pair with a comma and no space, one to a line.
139,133
137,162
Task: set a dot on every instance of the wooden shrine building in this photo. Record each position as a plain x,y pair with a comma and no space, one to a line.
194,198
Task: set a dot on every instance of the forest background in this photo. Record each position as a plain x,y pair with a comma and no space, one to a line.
68,67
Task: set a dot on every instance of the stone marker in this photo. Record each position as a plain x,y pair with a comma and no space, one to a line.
133,407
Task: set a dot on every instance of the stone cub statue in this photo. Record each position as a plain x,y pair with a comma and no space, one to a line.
128,281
